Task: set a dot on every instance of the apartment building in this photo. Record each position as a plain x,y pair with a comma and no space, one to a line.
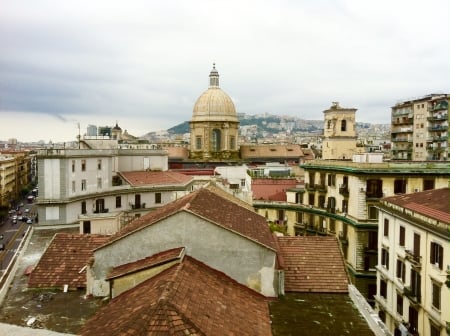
77,184
15,176
413,271
419,129
341,198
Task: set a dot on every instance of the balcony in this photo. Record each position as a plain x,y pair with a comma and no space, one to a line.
400,139
412,295
415,260
438,117
343,190
137,206
320,187
374,194
343,238
402,130
370,249
309,187
438,128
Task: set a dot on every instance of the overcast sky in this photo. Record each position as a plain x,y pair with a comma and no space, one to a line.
145,63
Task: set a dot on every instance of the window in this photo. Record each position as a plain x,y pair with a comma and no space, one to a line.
386,228
83,208
100,205
399,304
99,164
344,205
99,182
372,240
428,184
374,188
434,330
383,288
382,315
413,320
242,182
332,225
232,143
401,237
312,176
400,186
83,165
436,295
73,186
436,254
83,185
158,198
385,258
73,166
415,284
86,226
373,212
216,140
118,201
400,270
344,125
299,216
329,124
331,180
311,199
322,201
198,142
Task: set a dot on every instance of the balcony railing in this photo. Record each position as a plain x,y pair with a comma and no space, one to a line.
413,295
438,128
374,194
320,187
415,260
343,190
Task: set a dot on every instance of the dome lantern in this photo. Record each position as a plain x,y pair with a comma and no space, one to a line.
214,77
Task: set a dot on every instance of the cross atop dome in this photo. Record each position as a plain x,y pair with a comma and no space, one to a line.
214,77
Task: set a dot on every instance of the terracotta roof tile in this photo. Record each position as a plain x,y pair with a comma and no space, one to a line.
63,261
313,264
431,203
151,261
142,178
189,298
214,208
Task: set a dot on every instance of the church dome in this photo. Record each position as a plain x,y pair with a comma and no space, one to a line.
214,104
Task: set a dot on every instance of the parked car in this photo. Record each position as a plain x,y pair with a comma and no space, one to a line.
27,210
29,221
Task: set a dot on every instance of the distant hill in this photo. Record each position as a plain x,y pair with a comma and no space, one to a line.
265,124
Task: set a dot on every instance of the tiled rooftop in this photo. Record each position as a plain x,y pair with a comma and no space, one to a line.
151,261
271,151
142,178
214,208
64,261
431,203
189,298
313,264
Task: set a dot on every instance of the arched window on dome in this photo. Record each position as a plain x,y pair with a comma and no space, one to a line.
215,140
329,124
344,125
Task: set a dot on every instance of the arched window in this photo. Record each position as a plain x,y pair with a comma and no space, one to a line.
343,125
329,124
215,140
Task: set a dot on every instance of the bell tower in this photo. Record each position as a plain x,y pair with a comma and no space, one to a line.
339,133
